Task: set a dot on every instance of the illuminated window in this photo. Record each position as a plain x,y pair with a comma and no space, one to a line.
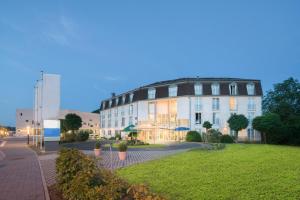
233,89
215,103
172,91
151,110
232,103
198,89
215,89
151,93
250,88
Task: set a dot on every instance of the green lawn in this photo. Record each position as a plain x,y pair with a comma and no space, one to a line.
240,171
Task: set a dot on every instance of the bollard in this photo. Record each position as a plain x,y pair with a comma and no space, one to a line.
28,139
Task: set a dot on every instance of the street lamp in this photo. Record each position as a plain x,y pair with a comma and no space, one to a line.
28,134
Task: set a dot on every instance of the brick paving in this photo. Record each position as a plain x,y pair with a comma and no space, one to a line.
110,160
20,176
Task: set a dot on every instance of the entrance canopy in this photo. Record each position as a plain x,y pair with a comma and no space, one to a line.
130,128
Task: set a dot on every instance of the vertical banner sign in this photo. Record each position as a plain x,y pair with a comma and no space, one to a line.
51,130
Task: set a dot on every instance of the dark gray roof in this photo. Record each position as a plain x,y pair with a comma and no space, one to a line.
185,88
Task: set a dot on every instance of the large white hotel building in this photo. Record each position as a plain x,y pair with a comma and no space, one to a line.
158,110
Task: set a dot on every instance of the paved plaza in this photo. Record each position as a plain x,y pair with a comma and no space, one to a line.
110,159
20,175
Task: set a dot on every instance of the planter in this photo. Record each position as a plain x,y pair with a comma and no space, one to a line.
97,152
122,155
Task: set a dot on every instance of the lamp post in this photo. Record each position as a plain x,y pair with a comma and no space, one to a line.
28,134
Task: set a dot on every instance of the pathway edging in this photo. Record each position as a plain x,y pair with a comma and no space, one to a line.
46,192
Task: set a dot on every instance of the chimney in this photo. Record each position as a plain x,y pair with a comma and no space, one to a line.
113,94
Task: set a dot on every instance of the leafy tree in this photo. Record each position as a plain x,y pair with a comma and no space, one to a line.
207,125
193,136
72,122
270,126
284,99
237,123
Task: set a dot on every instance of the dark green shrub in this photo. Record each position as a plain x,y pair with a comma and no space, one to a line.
217,146
118,136
112,138
122,147
97,145
193,136
226,139
213,136
142,192
135,142
68,164
68,137
82,135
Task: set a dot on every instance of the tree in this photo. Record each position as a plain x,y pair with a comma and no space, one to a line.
193,136
72,122
207,125
270,127
284,99
237,123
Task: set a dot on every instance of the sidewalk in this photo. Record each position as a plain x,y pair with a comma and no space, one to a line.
20,176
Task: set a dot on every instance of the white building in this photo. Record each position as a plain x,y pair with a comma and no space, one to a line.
159,109
24,121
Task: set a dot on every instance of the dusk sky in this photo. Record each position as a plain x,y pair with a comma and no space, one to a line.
100,47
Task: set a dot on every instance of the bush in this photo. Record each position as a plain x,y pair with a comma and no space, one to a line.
193,136
68,137
226,139
122,147
82,135
217,146
68,164
213,136
112,138
135,142
118,136
97,145
141,192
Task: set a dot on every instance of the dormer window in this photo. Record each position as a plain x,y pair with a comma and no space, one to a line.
117,101
110,102
250,88
131,97
123,99
233,89
173,91
215,89
151,93
103,104
198,89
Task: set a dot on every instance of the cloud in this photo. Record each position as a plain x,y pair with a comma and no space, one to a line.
62,31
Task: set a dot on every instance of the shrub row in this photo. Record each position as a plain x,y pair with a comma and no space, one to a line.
79,178
79,136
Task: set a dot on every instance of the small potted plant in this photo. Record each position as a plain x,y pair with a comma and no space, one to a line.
97,149
122,150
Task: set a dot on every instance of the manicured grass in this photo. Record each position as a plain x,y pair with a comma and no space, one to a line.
144,146
240,171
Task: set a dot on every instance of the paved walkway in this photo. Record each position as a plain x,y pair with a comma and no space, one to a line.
110,160
20,176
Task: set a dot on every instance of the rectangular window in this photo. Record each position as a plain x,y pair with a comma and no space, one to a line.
109,123
250,88
123,121
232,103
198,105
130,121
151,110
198,89
198,118
117,101
233,89
215,89
122,111
123,99
109,132
151,93
116,112
172,91
250,117
250,133
116,123
131,109
251,103
131,97
215,120
216,104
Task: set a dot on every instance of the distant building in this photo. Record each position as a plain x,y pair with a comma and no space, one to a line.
24,121
160,110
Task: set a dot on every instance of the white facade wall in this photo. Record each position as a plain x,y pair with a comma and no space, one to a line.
186,109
